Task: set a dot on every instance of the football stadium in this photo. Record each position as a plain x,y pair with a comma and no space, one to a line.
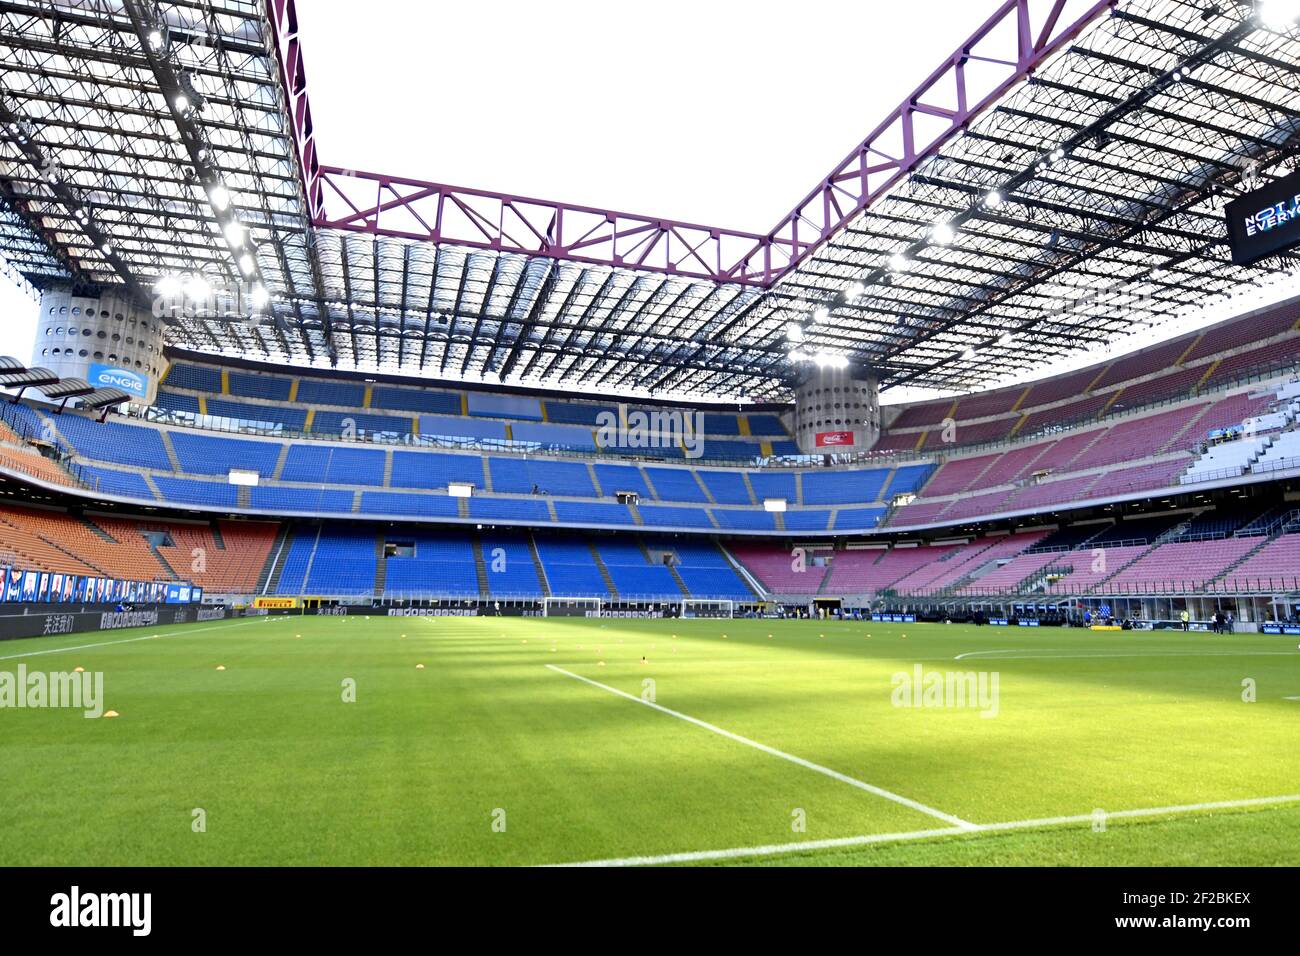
354,518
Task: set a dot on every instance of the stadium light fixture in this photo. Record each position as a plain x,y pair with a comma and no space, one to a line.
993,199
235,233
247,264
821,314
260,296
943,234
1006,338
182,103
854,291
796,356
219,196
899,261
794,332
197,288
968,354
169,287
1278,14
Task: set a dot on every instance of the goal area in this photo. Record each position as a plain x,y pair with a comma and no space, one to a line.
571,607
695,607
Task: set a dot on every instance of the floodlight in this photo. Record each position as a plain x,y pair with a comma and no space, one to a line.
993,199
219,195
943,234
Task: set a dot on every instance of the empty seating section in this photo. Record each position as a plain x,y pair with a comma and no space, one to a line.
201,454
1284,451
780,569
972,506
415,400
1128,481
435,470
495,405
333,465
361,424
1276,561
195,492
839,488
872,571
631,570
774,484
1086,569
529,510
441,563
129,484
570,567
301,500
198,378
113,442
251,385
675,484
471,429
523,476
617,478
508,564
727,487
808,519
766,426
403,503
343,562
287,416
673,516
315,391
1136,439
855,519
120,547
1182,564
737,519
957,474
1011,575
599,513
549,435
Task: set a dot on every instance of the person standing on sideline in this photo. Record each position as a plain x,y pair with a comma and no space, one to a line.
1186,618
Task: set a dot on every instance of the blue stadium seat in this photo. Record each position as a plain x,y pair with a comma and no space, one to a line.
443,563
509,509
774,484
304,500
135,445
767,426
858,519
196,378
344,562
128,484
605,514
188,491
213,455
337,423
675,484
807,520
434,470
316,391
333,465
519,476
551,435
570,568
664,516
508,562
176,402
909,479
248,385
720,424
415,400
727,487
401,503
616,478
289,416
745,519
843,487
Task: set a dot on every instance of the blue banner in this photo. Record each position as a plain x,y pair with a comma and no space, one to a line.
110,376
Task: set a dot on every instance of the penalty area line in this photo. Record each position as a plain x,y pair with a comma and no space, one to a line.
780,849
958,825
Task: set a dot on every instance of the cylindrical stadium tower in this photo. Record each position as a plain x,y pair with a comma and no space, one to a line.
837,410
107,339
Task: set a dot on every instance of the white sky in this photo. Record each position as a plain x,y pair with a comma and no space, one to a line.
720,112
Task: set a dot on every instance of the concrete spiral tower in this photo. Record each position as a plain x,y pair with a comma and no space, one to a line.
107,339
837,410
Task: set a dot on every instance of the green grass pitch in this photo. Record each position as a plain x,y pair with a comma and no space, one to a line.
771,734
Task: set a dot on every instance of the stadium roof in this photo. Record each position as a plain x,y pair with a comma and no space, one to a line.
1057,182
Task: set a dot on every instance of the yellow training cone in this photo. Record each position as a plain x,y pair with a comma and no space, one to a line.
78,670
221,667
419,667
111,713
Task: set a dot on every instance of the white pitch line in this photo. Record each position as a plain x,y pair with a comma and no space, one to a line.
125,640
1153,654
779,849
958,823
